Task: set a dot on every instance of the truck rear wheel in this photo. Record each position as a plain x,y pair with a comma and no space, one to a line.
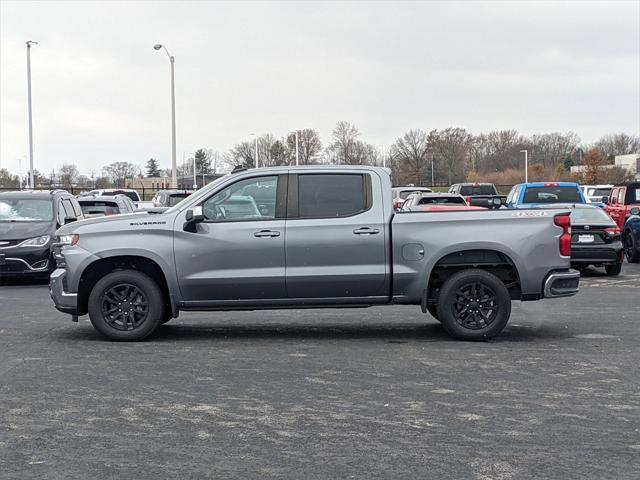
126,305
474,305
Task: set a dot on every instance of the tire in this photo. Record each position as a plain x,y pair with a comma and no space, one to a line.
614,269
433,311
131,290
631,248
459,319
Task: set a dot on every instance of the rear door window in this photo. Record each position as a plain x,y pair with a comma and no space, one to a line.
332,195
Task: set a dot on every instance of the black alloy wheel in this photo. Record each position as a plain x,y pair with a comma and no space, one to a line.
474,304
124,307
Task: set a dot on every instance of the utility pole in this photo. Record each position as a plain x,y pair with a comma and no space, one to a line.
29,43
526,165
432,177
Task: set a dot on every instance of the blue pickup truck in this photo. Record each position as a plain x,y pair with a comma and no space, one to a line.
532,195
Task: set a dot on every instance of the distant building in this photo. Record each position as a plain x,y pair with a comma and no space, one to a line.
161,183
630,162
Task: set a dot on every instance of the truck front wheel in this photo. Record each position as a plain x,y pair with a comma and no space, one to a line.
474,305
126,305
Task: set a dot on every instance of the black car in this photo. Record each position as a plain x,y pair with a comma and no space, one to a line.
28,221
95,206
168,198
595,239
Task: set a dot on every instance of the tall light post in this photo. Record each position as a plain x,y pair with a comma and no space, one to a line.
174,167
254,135
29,43
526,165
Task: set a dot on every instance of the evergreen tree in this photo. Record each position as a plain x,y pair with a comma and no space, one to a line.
152,168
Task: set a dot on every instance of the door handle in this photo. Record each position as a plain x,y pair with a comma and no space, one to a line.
266,233
366,231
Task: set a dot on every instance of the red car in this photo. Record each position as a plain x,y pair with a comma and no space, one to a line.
623,198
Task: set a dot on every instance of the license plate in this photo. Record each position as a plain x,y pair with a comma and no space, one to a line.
585,239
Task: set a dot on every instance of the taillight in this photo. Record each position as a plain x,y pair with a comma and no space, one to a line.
551,184
564,220
613,231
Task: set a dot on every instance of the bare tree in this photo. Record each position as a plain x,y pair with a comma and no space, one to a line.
309,146
344,139
243,154
68,174
451,149
120,172
614,144
551,149
410,157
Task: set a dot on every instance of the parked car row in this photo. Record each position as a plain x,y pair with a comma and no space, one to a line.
29,219
604,218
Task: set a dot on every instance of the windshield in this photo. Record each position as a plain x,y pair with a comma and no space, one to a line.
442,200
550,194
477,190
25,210
598,192
97,207
175,198
405,193
590,216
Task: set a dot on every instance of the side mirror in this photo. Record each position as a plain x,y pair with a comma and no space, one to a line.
193,217
70,220
635,211
605,200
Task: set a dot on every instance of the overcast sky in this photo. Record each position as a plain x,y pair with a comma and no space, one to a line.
101,93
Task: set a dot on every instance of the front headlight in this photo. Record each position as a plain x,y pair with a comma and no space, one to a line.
68,239
35,242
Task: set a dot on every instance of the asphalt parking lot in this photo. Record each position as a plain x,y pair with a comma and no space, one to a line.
366,393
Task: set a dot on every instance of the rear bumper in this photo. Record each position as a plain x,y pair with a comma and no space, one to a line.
64,301
561,283
601,254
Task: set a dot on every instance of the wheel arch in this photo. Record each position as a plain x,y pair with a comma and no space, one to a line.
105,265
490,259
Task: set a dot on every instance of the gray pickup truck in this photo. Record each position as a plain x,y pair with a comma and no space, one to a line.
309,237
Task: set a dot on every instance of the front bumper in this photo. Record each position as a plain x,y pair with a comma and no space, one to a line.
64,301
561,283
25,261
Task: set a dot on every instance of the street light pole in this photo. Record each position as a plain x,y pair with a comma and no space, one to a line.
195,183
526,165
29,43
174,167
254,135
